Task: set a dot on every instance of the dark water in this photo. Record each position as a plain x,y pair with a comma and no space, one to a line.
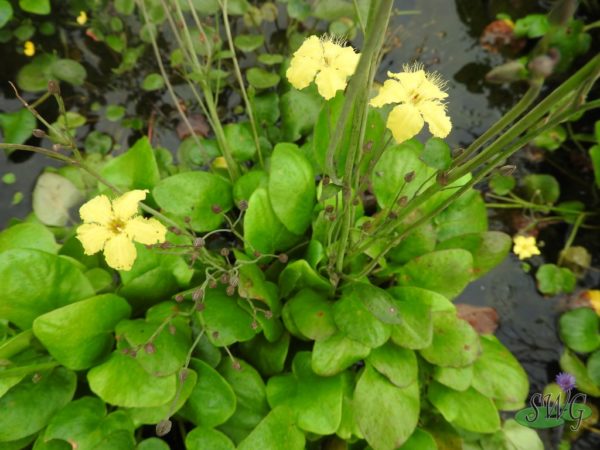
444,35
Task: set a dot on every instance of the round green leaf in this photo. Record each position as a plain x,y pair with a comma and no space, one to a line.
152,443
386,414
225,321
270,59
201,438
114,113
53,196
292,188
122,381
84,424
445,271
79,334
300,274
251,401
268,357
467,214
420,440
498,375
17,126
312,315
97,142
261,79
354,319
262,229
502,184
41,7
212,400
398,364
416,328
126,8
593,367
299,110
469,410
569,362
240,140
437,154
455,342
52,282
457,378
27,407
135,169
195,195
336,353
276,428
153,82
248,42
578,329
33,77
6,12
541,189
28,235
70,71
554,280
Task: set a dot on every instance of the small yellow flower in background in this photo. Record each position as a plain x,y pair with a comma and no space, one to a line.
82,18
112,226
324,61
420,96
525,246
29,48
593,295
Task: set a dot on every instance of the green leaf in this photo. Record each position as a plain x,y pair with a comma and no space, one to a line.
333,9
170,348
457,378
28,236
488,249
80,334
469,409
420,241
17,126
268,357
270,59
135,169
266,108
125,7
122,381
153,82
437,154
315,400
299,275
239,137
416,329
196,151
84,424
212,400
69,70
53,197
541,189
396,163
114,113
502,184
251,400
224,320
554,280
52,282
292,190
248,42
386,414
595,157
33,77
201,438
311,315
569,362
336,353
445,271
532,26
551,139
29,406
593,367
6,12
195,195
299,110
262,229
262,79
97,142
353,318
398,365
513,436
455,342
152,444
41,7
498,375
420,440
578,329
467,214
276,428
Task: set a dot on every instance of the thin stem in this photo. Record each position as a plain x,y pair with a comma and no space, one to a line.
571,238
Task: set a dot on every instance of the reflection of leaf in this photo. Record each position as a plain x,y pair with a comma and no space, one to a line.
53,196
17,126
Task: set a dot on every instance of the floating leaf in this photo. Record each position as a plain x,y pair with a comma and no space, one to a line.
553,280
541,189
41,7
248,42
262,79
28,236
69,70
569,362
53,197
153,82
578,329
299,110
17,126
437,154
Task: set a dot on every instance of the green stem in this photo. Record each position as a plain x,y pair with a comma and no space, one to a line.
43,151
572,234
16,344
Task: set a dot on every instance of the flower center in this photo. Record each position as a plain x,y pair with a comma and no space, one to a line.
415,97
117,226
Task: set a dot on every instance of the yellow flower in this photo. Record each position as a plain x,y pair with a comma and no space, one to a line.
593,295
112,226
82,18
29,48
420,96
525,246
324,61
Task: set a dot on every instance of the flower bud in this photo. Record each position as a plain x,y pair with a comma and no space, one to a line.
243,205
163,427
150,348
230,290
199,242
56,148
179,298
224,251
409,176
507,73
542,66
283,258
39,133
402,201
236,365
198,294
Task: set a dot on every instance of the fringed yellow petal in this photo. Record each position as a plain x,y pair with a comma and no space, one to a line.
145,231
430,89
410,80
120,252
310,48
392,91
405,122
127,204
345,60
92,237
302,71
329,81
97,210
434,114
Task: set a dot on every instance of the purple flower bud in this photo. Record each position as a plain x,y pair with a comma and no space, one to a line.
566,381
